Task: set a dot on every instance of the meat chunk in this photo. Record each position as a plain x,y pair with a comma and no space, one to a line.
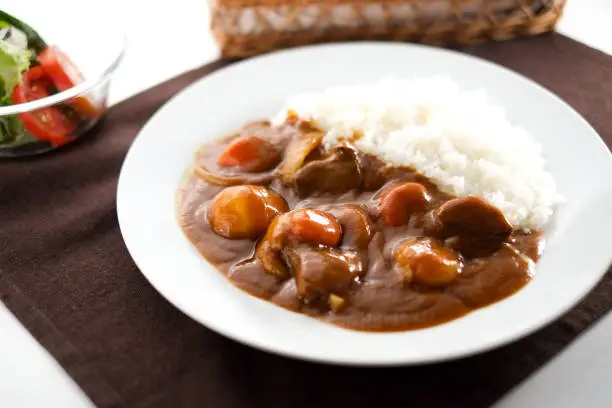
373,171
336,173
357,228
469,216
474,246
321,272
301,226
470,226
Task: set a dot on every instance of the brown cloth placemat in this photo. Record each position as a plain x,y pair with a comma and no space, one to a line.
66,274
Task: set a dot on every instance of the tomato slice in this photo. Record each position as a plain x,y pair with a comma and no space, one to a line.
49,124
37,84
66,75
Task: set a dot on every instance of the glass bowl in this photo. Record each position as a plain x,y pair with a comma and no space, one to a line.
95,47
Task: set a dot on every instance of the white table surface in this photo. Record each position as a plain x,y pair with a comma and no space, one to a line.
30,377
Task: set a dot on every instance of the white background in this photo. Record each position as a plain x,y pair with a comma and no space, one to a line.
29,377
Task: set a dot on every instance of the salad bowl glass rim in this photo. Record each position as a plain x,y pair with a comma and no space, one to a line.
77,90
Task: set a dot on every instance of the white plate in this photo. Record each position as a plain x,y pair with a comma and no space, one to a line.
576,256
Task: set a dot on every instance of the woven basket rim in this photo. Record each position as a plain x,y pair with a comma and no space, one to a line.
487,3
516,18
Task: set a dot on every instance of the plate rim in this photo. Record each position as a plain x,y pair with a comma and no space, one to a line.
226,70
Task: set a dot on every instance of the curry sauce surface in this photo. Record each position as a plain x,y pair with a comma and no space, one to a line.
380,300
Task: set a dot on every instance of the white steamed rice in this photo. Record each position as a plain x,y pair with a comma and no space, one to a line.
456,138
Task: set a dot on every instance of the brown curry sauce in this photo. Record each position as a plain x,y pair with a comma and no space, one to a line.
379,299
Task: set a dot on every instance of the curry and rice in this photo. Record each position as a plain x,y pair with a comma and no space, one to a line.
385,206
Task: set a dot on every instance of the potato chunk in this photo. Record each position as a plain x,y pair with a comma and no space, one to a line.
246,211
427,261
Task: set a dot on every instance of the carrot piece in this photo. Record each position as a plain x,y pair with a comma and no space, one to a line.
398,203
315,227
250,153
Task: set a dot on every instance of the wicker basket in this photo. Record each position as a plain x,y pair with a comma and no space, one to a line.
248,27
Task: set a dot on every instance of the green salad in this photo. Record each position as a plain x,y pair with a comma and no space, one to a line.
30,69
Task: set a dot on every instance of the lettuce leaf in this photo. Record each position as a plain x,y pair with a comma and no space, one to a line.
13,61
